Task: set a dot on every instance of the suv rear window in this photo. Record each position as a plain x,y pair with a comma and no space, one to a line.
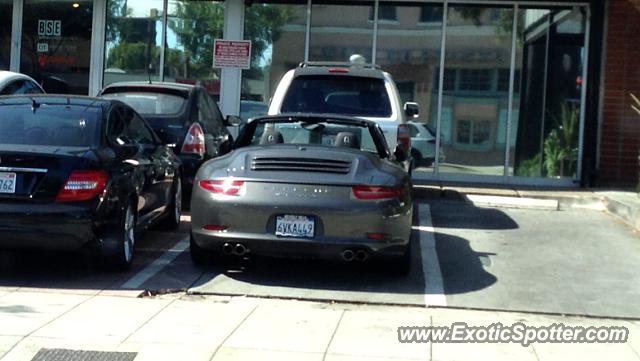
356,96
151,103
49,125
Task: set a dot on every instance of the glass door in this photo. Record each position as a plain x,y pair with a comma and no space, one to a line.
512,94
548,99
476,89
56,44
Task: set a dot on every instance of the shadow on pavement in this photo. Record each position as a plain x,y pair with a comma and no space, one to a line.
455,214
463,269
80,270
316,279
310,279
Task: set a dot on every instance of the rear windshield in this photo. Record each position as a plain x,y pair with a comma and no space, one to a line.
151,103
355,96
49,125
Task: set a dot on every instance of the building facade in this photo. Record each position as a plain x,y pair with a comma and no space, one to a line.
520,92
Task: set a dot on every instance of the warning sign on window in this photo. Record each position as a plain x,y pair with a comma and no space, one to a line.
232,54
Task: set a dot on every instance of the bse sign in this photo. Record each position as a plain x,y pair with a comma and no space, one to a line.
49,28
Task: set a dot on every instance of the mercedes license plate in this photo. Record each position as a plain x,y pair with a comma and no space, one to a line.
295,226
7,182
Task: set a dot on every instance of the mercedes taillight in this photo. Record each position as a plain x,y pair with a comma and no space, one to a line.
82,186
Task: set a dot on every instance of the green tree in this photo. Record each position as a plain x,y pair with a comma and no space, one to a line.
197,24
132,56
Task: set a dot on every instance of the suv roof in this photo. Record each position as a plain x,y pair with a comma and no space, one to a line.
340,69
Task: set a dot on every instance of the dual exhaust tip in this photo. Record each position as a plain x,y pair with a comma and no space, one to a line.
349,255
238,249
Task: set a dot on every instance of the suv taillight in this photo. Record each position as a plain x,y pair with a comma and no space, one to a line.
194,141
226,186
376,192
82,186
404,138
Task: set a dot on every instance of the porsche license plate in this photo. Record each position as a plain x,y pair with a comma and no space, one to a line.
295,226
7,182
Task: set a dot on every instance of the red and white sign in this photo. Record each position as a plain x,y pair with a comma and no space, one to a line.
232,54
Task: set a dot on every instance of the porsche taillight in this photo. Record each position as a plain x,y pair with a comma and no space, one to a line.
82,186
226,186
367,192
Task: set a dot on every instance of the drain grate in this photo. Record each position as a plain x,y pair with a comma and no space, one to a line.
59,354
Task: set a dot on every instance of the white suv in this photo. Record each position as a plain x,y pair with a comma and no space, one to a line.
360,90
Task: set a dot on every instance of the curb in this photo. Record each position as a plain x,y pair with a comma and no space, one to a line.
625,212
512,202
551,200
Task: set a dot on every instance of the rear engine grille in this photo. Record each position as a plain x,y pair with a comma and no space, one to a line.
301,165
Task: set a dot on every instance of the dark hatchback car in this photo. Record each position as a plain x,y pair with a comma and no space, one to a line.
181,114
79,173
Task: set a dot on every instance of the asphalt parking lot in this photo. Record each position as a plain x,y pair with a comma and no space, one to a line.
578,262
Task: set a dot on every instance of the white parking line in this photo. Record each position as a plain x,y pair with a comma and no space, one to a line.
151,270
433,284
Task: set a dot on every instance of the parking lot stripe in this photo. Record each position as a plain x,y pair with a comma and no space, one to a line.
151,270
433,284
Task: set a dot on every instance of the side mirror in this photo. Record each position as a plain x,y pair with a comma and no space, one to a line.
233,120
412,109
400,153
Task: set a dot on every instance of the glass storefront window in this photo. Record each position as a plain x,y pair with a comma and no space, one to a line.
133,40
340,30
409,49
548,92
475,101
277,34
191,29
56,44
6,12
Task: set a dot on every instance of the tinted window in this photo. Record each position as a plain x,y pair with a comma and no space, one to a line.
116,125
69,125
205,114
137,129
338,95
151,103
214,122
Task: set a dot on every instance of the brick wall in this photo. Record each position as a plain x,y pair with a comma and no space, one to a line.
620,132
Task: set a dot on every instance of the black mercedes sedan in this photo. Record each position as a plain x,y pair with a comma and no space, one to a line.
183,115
80,173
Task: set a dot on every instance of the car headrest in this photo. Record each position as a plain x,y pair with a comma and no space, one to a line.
347,139
271,137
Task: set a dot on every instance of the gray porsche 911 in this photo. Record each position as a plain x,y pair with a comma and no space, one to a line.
317,186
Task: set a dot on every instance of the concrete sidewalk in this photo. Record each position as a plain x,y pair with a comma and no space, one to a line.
623,205
181,327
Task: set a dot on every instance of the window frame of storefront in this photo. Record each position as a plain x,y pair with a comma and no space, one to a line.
233,29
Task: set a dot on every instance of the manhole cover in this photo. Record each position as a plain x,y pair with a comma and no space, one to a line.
55,354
